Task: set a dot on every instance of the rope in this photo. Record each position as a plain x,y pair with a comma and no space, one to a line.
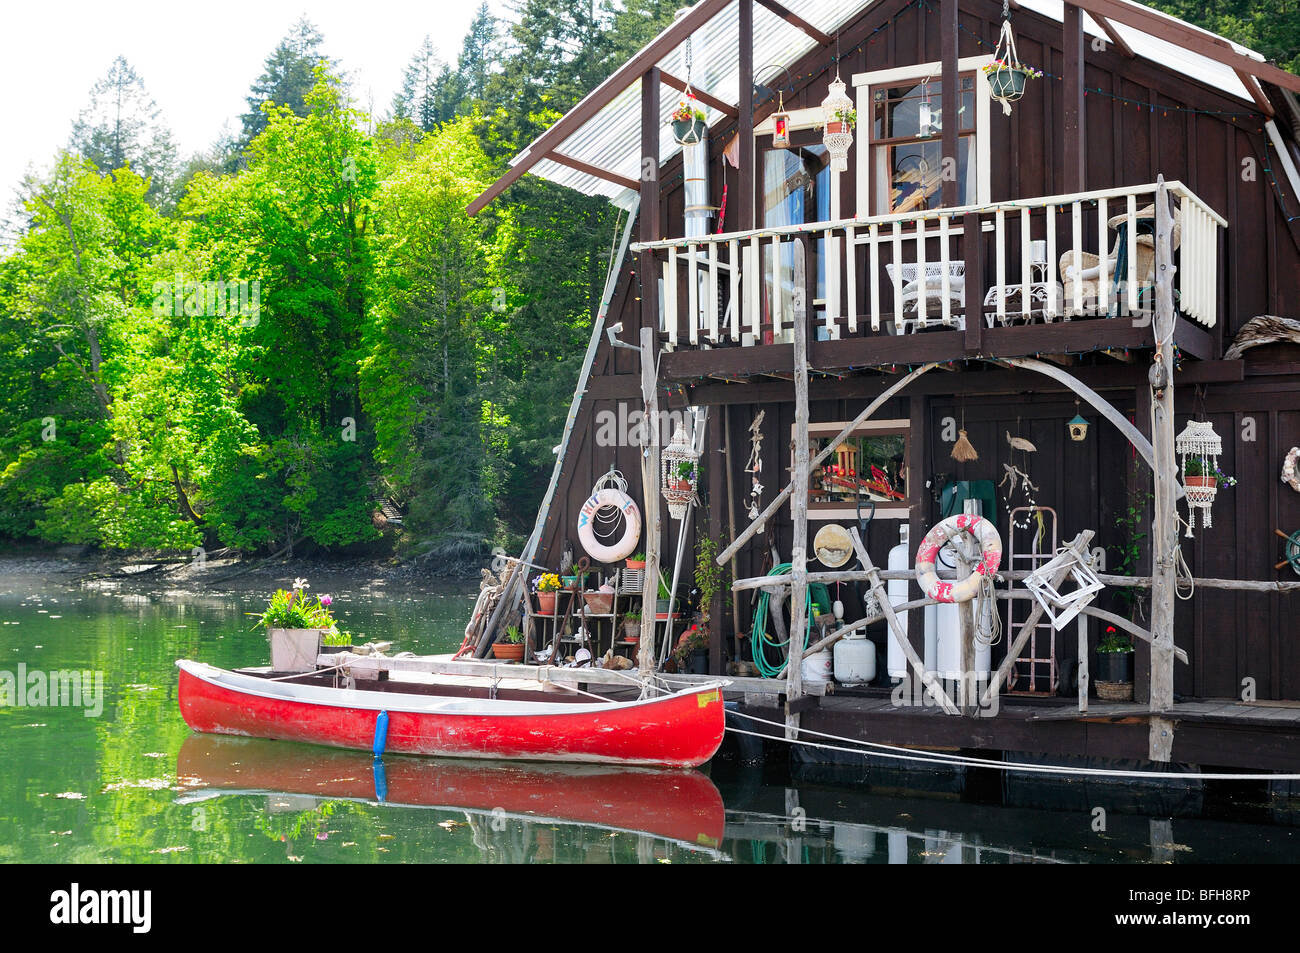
319,671
895,752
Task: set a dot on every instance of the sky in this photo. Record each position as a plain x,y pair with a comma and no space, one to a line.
196,60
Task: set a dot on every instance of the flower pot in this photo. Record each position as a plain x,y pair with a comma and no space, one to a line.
1112,676
599,603
661,607
546,603
294,650
632,631
835,126
636,564
687,131
508,651
1007,82
698,663
334,649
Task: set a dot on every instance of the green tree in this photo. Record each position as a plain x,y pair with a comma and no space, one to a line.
288,76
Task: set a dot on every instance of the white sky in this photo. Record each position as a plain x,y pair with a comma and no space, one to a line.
196,60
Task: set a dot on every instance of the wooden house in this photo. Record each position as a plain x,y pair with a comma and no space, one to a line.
993,273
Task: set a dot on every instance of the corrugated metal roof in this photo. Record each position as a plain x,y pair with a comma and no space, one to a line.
611,139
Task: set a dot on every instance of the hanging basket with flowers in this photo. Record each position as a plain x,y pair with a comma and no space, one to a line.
1200,446
681,474
839,118
688,121
1005,73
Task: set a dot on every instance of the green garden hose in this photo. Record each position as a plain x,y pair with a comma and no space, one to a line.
816,594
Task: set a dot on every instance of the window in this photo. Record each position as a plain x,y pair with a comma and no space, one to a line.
869,465
900,163
794,189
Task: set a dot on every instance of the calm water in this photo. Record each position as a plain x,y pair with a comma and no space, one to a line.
132,784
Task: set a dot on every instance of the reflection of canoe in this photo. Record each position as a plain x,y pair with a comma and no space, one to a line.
678,805
681,730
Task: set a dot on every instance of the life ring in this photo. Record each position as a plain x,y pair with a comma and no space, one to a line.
1289,476
627,543
985,533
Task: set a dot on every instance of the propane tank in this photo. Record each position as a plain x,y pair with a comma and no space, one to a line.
855,659
895,660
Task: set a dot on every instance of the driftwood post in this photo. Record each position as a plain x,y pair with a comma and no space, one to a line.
799,496
1164,532
650,486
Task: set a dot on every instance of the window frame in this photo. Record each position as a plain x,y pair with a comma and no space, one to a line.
840,511
863,83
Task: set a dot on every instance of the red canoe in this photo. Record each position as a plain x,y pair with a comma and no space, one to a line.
682,730
683,806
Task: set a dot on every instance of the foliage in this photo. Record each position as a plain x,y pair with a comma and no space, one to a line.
292,609
547,582
1114,643
694,639
336,638
1132,527
708,574
1200,467
513,636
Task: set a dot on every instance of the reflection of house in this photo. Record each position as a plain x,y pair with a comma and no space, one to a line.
1008,225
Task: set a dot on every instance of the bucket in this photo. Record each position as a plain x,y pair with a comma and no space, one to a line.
818,667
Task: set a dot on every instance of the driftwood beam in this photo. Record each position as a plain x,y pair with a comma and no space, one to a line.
816,461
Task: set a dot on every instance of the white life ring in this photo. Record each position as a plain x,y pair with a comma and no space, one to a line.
1289,476
627,543
964,590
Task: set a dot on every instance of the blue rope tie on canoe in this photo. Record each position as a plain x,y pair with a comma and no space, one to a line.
381,734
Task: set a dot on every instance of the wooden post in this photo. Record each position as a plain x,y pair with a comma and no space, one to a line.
716,472
951,97
745,122
731,525
1075,155
1083,663
966,632
1164,532
799,496
650,485
648,229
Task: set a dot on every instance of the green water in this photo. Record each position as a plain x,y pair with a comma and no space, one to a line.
130,783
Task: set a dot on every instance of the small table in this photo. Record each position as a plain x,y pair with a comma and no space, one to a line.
1038,302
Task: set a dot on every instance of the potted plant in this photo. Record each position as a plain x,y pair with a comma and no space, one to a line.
692,651
1007,78
295,625
845,121
688,121
1113,677
546,586
636,562
1198,472
665,596
510,647
632,626
334,641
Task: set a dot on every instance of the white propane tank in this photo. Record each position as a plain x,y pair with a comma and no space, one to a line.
855,659
900,558
818,667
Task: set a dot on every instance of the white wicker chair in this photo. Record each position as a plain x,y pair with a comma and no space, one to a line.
907,275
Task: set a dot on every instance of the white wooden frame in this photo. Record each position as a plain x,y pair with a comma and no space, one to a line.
822,430
863,82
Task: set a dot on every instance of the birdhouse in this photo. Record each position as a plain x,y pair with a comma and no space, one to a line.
680,474
1078,426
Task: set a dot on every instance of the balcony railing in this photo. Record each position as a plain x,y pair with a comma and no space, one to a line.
1061,257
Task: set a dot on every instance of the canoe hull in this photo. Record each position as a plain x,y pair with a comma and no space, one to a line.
679,731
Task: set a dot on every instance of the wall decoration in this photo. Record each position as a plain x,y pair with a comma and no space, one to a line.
1199,446
1289,476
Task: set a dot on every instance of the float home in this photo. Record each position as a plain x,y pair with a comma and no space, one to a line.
1028,267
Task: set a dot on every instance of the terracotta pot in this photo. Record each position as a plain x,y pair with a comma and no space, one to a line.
636,564
546,603
508,651
835,126
599,603
1205,481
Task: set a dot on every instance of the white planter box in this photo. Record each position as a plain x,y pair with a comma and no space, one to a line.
294,650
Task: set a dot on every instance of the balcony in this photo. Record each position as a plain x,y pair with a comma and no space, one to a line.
1063,274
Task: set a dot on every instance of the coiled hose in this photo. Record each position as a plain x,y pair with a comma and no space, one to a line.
760,640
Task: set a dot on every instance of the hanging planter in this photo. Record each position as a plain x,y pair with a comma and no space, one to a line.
839,118
681,474
1199,446
688,121
1006,75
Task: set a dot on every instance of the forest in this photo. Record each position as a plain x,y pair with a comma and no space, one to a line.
253,347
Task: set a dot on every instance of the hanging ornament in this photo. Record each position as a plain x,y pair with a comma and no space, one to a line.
1199,446
1289,469
1005,73
755,465
780,124
680,474
962,451
688,120
839,118
1078,426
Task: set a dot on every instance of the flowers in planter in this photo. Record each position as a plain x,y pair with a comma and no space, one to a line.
689,121
292,609
694,639
547,582
1198,467
1005,73
1114,643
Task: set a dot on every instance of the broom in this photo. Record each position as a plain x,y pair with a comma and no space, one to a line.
962,451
